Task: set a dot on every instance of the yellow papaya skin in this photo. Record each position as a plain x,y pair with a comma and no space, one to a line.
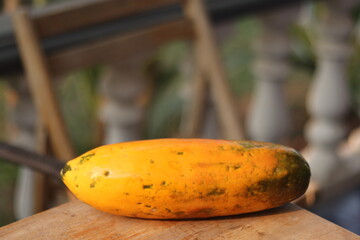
187,178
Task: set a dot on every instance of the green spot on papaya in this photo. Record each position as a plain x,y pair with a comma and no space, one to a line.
65,169
247,145
86,158
237,206
205,210
268,185
236,167
290,178
221,148
216,191
296,166
149,186
179,213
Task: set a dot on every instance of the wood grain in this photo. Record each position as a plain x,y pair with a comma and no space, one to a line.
118,48
86,13
76,220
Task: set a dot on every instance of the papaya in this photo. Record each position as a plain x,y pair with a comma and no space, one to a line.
187,178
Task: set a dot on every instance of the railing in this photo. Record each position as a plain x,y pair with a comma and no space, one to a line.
328,100
333,157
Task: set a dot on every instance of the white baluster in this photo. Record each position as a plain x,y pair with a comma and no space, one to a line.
123,86
24,119
328,100
268,118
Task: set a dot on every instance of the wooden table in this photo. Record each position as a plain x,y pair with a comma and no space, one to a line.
76,220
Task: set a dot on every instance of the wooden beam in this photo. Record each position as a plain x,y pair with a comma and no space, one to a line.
10,5
40,84
118,48
87,13
45,164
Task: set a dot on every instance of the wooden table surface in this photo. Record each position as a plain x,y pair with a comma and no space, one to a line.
76,220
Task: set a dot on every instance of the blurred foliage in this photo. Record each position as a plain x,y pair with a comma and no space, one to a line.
166,107
7,171
238,55
303,50
7,182
79,102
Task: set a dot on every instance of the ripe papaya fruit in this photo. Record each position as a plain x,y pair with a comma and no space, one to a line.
187,178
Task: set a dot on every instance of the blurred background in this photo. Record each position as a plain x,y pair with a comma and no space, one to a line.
293,71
